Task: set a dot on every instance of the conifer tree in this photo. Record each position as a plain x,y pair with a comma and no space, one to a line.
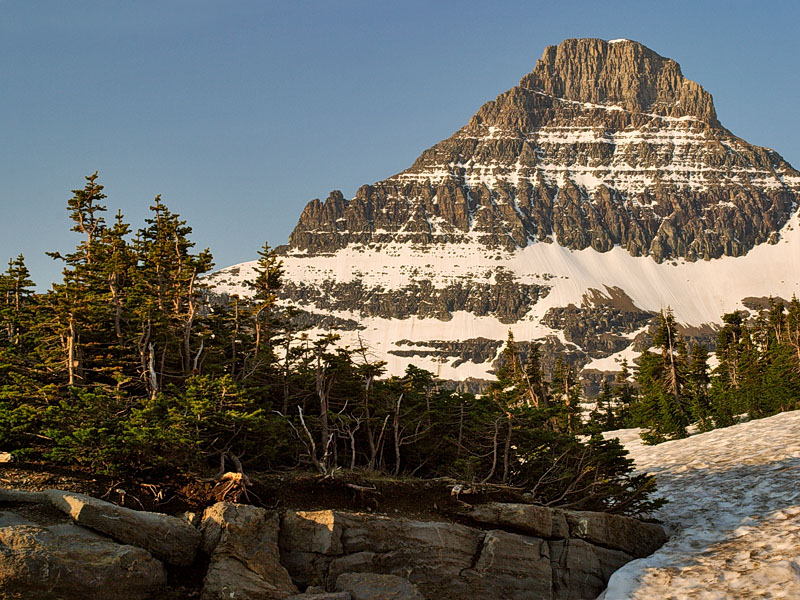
77,308
664,405
167,298
565,393
263,313
16,303
697,382
624,396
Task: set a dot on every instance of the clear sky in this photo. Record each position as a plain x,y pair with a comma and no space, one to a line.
240,112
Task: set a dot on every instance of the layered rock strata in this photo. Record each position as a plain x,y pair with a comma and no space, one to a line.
569,210
250,553
600,145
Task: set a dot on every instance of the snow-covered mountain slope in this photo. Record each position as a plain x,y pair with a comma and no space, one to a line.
569,210
698,292
733,514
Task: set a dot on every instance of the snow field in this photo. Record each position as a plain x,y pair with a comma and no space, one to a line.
698,292
733,515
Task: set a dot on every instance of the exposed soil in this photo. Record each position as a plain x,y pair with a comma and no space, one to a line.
425,500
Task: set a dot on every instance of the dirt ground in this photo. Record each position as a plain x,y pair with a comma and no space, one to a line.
425,500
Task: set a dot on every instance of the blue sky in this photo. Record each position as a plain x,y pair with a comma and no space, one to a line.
239,113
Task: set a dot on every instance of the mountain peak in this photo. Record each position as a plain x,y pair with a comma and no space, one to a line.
601,145
621,73
534,215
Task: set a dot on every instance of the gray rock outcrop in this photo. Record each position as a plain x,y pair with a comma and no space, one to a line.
369,586
65,561
242,542
534,552
617,532
170,539
523,552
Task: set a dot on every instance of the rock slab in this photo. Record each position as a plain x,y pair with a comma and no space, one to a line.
242,542
170,539
68,562
369,586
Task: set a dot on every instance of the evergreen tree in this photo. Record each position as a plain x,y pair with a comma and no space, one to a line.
16,303
603,417
697,382
565,393
167,298
663,407
264,319
625,395
77,309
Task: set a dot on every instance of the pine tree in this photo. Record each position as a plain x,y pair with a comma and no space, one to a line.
664,405
16,303
625,395
263,310
565,393
603,417
77,309
697,382
166,299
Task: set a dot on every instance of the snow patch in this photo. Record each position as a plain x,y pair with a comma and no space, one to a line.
733,514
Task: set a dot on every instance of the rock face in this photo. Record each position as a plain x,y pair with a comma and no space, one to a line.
368,586
242,542
524,552
168,538
602,529
549,554
570,210
65,561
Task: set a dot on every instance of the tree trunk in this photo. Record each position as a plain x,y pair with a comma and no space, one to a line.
494,451
151,367
234,336
71,360
507,450
322,393
396,423
187,330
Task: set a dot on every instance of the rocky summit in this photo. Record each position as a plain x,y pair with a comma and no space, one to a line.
569,210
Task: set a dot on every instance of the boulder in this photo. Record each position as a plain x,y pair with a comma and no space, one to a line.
370,586
309,540
242,541
68,562
312,531
581,570
511,566
21,496
616,531
170,539
619,532
539,521
432,555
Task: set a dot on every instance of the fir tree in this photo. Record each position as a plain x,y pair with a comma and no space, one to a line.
697,382
16,303
664,405
77,308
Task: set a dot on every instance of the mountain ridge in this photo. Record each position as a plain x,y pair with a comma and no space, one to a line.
531,165
567,222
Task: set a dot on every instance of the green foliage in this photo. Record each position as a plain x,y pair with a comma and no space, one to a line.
664,403
593,475
131,364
